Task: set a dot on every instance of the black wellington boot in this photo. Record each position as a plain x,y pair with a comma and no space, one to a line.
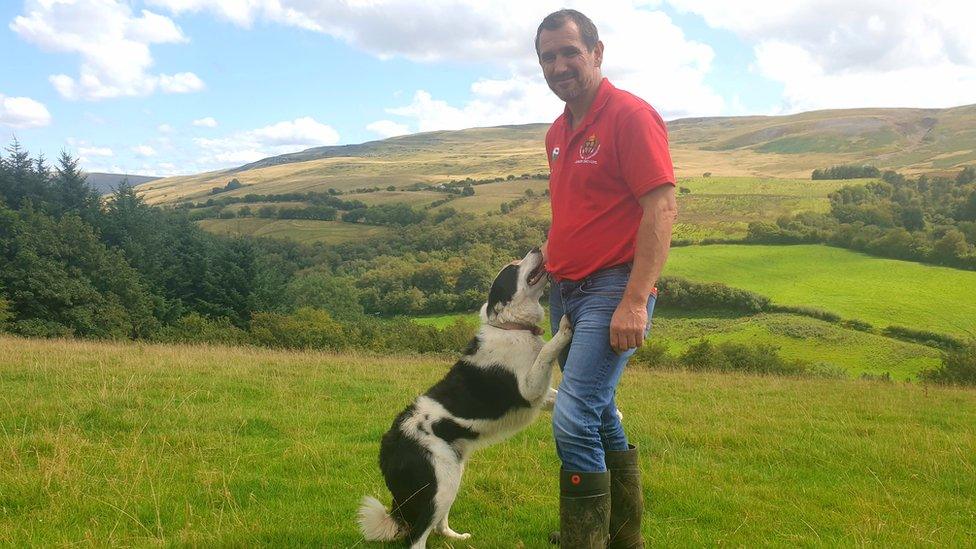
584,510
626,499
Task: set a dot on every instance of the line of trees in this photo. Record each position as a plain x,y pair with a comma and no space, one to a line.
846,172
928,219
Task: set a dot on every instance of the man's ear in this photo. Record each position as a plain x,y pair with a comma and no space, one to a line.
598,53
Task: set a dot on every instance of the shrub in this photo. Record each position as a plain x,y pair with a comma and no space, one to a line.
811,312
680,293
304,329
195,328
653,354
727,356
932,339
39,327
958,368
858,325
5,314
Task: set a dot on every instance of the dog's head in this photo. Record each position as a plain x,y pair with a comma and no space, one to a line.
513,298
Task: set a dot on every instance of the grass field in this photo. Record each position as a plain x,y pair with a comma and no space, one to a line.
301,230
799,337
723,207
130,444
856,286
796,337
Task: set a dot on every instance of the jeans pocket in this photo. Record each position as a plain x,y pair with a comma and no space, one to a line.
608,285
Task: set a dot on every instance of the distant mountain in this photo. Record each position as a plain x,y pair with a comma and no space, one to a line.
909,140
104,183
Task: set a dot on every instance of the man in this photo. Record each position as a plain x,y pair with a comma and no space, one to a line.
612,193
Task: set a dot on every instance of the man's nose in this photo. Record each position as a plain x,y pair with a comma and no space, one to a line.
559,65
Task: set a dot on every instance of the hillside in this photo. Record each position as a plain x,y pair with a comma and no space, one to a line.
104,183
132,444
910,140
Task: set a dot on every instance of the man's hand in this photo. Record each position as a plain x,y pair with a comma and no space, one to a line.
627,325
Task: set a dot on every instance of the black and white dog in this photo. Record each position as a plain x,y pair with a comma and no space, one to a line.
496,389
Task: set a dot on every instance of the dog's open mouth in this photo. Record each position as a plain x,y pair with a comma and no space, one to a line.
537,274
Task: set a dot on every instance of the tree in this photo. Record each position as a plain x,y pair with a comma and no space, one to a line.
71,191
966,176
950,247
319,290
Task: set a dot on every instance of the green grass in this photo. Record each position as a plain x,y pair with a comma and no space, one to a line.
443,321
723,207
300,230
855,286
798,337
131,444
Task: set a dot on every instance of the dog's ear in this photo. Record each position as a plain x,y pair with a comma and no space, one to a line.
503,288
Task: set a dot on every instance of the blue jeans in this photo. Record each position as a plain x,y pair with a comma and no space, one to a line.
584,418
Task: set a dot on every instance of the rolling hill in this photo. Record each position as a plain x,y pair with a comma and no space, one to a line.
909,140
105,183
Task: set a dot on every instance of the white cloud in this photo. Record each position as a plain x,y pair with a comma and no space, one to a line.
853,53
144,150
388,128
165,128
113,44
646,52
95,151
23,112
207,122
87,155
280,138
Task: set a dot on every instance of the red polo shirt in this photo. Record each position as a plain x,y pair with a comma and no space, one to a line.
598,171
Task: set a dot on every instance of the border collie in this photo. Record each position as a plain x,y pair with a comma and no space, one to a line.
495,390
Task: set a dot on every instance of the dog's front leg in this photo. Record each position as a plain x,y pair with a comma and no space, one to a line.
537,381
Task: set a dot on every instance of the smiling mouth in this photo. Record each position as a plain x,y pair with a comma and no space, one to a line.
537,274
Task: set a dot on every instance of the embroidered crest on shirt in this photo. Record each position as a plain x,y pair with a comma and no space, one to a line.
555,153
588,150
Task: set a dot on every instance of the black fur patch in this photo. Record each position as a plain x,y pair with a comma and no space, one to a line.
475,392
409,475
503,288
450,430
473,346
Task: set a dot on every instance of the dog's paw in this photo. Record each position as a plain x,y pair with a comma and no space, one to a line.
550,400
565,327
454,535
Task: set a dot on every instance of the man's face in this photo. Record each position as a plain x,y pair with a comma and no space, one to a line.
570,70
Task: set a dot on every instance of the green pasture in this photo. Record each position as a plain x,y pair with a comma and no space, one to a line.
827,345
830,346
723,207
853,285
305,231
133,445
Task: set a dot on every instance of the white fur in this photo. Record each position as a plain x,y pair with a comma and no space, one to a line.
375,523
519,351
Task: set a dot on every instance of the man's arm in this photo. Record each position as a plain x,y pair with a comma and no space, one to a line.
653,243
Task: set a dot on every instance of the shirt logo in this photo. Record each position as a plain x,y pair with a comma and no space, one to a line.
555,153
588,150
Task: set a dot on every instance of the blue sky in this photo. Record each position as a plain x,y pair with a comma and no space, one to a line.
165,87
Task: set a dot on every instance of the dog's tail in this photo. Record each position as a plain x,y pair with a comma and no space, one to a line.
376,523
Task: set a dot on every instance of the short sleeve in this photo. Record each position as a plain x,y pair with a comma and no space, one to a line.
643,154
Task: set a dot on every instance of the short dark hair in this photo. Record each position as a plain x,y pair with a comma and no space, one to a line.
557,19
